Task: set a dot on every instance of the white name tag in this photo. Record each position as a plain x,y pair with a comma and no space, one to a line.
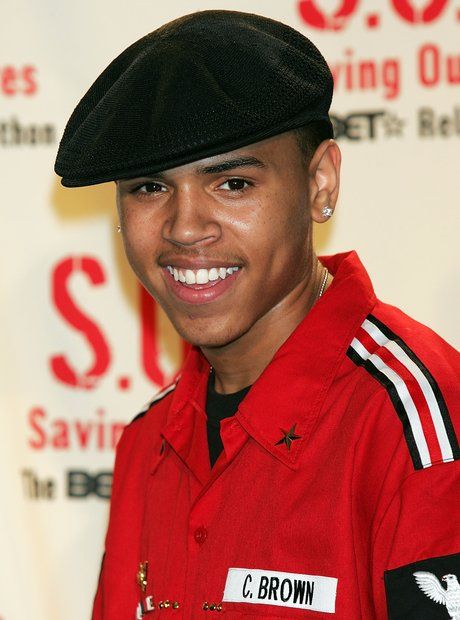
267,587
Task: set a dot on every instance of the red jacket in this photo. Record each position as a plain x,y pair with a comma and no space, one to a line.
337,494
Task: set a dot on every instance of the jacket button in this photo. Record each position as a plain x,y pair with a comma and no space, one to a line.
200,535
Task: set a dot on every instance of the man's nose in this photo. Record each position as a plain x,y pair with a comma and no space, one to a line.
191,219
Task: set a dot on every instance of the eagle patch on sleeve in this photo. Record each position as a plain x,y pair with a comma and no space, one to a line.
428,589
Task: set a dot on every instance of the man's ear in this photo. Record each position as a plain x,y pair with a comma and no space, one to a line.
324,180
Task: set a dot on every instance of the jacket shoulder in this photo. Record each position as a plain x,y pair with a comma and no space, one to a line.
135,434
420,373
153,402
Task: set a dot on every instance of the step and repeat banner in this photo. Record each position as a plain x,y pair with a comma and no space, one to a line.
83,347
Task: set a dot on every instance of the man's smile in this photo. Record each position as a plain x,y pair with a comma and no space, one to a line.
200,276
198,286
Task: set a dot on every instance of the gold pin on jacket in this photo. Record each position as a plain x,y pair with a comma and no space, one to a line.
142,575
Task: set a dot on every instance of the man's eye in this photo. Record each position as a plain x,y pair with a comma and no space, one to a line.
235,185
149,188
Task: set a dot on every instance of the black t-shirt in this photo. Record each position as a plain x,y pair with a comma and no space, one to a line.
218,407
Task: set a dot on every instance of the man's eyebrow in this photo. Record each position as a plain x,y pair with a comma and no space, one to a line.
223,166
230,164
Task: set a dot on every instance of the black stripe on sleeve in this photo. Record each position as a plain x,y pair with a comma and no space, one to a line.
397,403
453,440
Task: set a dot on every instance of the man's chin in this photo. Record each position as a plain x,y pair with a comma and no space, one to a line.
209,338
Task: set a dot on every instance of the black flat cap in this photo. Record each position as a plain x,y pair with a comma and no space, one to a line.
201,85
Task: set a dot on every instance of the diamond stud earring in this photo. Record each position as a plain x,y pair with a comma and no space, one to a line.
327,211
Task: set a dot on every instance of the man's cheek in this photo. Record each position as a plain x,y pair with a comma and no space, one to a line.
140,267
133,259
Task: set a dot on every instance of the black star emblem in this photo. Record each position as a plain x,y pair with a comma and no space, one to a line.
289,437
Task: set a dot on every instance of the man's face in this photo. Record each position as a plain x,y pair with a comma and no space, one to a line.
236,227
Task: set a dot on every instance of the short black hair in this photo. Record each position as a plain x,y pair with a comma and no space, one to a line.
310,136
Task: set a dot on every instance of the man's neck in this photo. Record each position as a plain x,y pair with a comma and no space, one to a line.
239,363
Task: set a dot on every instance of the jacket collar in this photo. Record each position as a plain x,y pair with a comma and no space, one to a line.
289,393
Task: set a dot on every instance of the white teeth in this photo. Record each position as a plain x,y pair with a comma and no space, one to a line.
200,276
190,276
213,274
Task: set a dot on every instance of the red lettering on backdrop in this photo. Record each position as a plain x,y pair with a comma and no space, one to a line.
429,65
36,416
82,432
415,14
150,353
434,66
75,317
9,77
14,81
60,437
28,75
61,434
314,16
453,69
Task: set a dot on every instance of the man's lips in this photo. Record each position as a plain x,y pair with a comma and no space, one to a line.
196,293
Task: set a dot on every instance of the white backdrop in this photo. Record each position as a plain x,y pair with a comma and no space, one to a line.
82,349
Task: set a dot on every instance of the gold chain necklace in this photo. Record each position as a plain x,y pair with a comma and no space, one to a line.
323,283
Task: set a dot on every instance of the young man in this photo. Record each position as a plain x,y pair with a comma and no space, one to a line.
306,462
